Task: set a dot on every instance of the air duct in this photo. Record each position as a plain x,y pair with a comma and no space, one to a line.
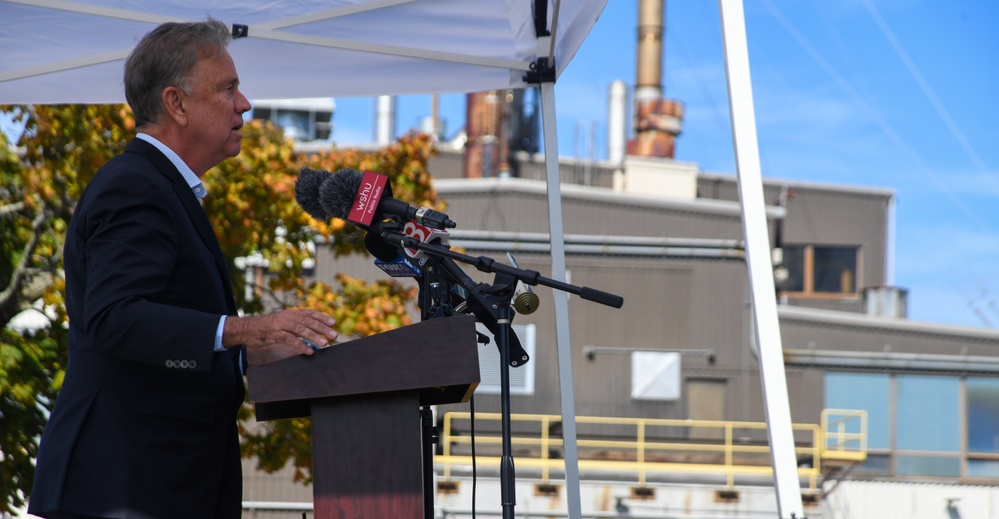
617,109
385,120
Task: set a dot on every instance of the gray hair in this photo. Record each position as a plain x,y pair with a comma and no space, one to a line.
166,57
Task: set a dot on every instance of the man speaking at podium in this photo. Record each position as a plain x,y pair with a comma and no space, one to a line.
145,423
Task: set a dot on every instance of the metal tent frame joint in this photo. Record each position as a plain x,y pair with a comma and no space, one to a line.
240,30
541,71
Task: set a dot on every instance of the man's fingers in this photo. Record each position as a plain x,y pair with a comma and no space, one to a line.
317,328
302,330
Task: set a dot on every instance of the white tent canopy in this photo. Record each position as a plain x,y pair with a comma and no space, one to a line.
65,51
62,51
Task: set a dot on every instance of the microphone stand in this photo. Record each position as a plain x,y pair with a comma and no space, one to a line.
491,304
434,301
508,479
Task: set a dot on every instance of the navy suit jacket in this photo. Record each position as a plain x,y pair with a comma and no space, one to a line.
145,423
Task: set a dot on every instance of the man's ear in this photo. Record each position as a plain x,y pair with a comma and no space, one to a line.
175,105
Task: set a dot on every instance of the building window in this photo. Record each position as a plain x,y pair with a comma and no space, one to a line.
820,270
869,392
916,422
927,425
301,119
866,392
928,415
983,427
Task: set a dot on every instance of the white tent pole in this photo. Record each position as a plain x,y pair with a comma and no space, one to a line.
256,31
561,299
48,68
758,260
96,10
333,12
139,16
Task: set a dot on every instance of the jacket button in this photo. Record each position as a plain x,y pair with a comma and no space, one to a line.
192,364
169,363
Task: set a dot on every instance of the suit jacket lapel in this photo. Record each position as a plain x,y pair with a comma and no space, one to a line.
194,210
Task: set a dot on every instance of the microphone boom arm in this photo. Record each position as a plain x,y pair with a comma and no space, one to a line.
489,265
484,303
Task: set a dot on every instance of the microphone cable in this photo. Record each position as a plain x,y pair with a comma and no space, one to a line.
471,431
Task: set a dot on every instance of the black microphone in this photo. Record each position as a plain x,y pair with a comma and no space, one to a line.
389,258
307,192
363,198
379,248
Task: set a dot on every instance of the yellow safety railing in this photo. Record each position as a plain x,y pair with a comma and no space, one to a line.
845,434
645,445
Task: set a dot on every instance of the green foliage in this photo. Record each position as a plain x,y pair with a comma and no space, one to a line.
31,368
62,151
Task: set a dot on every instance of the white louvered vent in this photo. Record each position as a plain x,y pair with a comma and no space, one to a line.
521,378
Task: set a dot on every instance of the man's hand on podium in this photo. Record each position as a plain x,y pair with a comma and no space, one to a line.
279,335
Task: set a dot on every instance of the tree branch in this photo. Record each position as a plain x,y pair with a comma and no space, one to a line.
7,209
23,275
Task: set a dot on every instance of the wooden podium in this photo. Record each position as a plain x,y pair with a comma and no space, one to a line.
364,398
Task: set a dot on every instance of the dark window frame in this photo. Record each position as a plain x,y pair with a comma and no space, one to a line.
803,283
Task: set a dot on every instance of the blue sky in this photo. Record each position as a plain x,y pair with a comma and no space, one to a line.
898,94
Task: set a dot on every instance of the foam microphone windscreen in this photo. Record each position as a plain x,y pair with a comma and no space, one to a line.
336,194
307,192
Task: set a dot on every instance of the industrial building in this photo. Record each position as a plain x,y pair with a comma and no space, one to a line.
879,401
893,417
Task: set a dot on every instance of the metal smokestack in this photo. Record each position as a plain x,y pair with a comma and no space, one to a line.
658,120
482,126
649,75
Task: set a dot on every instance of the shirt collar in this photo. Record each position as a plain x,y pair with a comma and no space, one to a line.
185,171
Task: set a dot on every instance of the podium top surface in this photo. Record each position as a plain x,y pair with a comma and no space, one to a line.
437,357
